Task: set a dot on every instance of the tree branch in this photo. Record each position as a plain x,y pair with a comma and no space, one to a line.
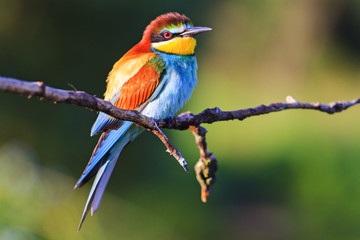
212,115
82,99
170,148
79,98
181,122
207,165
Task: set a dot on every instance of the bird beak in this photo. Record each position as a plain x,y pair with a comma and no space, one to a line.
194,30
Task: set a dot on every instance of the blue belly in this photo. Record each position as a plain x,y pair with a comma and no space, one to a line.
179,81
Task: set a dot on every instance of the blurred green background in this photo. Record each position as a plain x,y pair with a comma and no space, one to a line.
288,175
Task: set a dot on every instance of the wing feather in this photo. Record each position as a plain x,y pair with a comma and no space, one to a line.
139,88
124,69
134,91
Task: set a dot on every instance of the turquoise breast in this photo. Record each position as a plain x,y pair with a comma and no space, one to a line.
179,80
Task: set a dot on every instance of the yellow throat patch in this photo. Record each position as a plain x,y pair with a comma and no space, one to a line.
178,46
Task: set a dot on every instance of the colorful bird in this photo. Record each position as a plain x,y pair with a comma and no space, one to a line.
156,77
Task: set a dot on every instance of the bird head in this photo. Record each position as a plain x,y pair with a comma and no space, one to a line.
172,33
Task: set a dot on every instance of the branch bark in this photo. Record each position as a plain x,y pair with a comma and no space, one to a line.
207,166
212,115
181,122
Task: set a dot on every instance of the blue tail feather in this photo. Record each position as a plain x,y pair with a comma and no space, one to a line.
92,193
103,162
103,182
102,150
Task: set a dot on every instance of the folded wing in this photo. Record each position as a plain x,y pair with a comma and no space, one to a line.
134,94
123,72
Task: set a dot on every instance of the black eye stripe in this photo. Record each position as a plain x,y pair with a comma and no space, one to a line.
157,38
160,37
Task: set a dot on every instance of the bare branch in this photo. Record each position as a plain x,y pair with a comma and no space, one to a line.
79,98
212,115
170,148
182,122
207,165
82,99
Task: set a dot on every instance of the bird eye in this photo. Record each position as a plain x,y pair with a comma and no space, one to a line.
167,35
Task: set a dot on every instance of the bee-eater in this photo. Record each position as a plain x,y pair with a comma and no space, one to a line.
155,77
